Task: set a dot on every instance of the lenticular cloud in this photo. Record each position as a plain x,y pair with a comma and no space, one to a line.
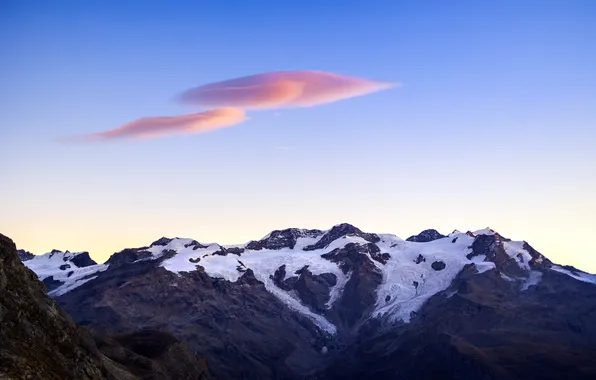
149,127
281,89
278,89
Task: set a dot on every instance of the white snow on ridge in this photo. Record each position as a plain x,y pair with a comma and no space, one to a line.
264,263
181,261
401,273
579,275
70,285
484,231
48,264
515,249
405,286
177,244
398,295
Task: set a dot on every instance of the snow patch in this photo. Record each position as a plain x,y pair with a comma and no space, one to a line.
401,273
177,244
515,250
484,231
484,266
532,280
264,263
48,265
181,262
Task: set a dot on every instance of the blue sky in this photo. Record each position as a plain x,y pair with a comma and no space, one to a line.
494,123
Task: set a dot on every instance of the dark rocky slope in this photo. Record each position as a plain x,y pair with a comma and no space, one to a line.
242,329
506,313
39,341
484,327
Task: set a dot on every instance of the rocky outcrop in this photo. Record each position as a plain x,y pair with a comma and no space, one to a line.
426,236
51,284
491,246
39,341
340,231
128,255
313,290
82,259
223,251
359,294
24,255
482,245
279,239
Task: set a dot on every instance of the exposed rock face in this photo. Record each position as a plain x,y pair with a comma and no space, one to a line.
339,231
195,245
223,251
234,250
279,279
426,236
492,247
482,245
162,241
51,284
358,296
82,260
39,341
313,290
128,255
24,255
279,239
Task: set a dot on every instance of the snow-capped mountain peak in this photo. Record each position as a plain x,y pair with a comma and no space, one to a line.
322,274
64,271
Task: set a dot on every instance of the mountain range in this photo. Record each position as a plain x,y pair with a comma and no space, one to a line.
342,304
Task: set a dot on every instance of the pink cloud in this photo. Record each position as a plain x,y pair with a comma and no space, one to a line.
149,127
281,89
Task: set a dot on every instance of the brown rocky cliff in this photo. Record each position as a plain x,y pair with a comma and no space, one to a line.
37,340
40,341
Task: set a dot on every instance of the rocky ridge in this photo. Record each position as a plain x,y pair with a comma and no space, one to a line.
293,303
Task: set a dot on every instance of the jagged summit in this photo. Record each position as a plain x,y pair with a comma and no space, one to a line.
406,272
426,236
340,231
24,255
312,289
61,270
278,239
165,242
162,241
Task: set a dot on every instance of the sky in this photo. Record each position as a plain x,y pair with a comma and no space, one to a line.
493,122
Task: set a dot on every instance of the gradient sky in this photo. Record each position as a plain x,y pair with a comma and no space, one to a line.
494,125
